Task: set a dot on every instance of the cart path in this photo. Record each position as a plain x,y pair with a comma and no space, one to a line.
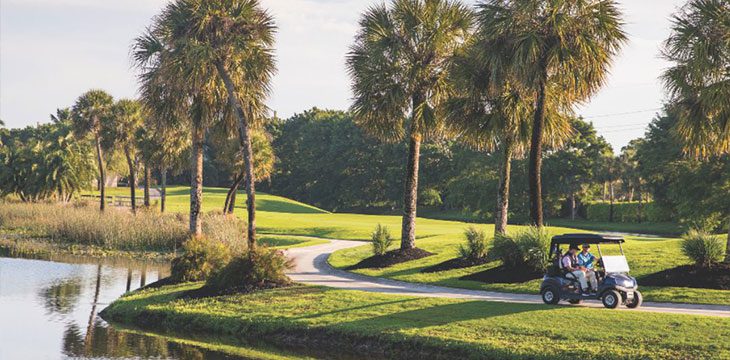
312,268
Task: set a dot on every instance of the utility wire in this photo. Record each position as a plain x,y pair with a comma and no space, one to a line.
621,113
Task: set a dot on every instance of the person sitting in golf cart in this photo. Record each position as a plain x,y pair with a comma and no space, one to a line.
569,263
585,262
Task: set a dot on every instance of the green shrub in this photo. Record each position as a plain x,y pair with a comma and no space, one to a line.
245,272
381,240
476,244
201,257
533,244
505,249
527,248
702,248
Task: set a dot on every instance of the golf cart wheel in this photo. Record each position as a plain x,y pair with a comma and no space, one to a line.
636,302
550,295
575,301
611,299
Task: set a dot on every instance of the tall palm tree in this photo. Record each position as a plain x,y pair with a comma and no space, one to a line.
124,121
178,90
235,37
560,49
698,82
492,112
87,114
398,67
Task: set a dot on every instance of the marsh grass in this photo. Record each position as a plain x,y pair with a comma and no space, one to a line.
116,229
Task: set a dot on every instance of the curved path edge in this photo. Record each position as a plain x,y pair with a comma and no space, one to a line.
313,268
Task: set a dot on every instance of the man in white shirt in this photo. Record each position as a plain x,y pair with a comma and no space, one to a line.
570,265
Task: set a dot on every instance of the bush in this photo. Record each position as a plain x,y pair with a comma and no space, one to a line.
264,268
201,257
533,244
527,248
505,249
476,244
381,240
702,248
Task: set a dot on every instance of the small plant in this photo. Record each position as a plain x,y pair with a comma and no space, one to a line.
505,248
702,248
201,257
264,268
533,244
476,244
381,240
527,248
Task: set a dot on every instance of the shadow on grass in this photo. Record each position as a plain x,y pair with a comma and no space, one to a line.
439,315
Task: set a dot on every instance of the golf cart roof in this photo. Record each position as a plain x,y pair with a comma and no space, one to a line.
577,239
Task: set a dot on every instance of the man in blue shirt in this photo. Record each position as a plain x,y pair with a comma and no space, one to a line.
585,261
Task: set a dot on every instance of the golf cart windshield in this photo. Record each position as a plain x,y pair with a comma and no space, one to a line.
615,264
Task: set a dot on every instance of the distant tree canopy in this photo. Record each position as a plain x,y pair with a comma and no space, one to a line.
324,159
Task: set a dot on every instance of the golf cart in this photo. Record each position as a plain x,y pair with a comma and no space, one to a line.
615,286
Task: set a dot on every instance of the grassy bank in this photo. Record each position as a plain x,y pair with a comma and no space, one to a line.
378,325
662,229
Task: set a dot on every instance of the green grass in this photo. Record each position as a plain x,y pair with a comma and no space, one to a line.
379,325
664,229
645,256
281,216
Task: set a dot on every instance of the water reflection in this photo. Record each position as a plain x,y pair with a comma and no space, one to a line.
49,310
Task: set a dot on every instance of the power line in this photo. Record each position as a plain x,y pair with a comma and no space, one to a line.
621,113
621,125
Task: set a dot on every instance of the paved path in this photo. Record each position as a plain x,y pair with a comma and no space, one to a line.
312,268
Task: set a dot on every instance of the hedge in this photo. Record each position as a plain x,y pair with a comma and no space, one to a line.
625,212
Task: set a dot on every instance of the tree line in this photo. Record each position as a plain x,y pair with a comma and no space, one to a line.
501,77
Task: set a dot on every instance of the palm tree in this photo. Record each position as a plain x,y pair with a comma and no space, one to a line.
398,66
559,49
178,90
124,122
698,82
492,112
236,38
87,115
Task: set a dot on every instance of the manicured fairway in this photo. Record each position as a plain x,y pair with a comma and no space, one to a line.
387,325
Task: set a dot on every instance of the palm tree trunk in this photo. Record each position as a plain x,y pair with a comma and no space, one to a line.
234,191
163,191
196,181
727,244
641,207
500,218
610,199
245,139
132,179
572,204
102,172
535,166
410,194
147,175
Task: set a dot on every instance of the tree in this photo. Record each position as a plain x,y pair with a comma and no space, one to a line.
559,49
398,65
570,171
125,120
178,90
90,109
698,82
236,37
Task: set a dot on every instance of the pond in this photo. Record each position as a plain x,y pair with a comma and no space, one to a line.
49,310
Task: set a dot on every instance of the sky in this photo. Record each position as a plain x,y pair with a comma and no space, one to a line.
51,51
